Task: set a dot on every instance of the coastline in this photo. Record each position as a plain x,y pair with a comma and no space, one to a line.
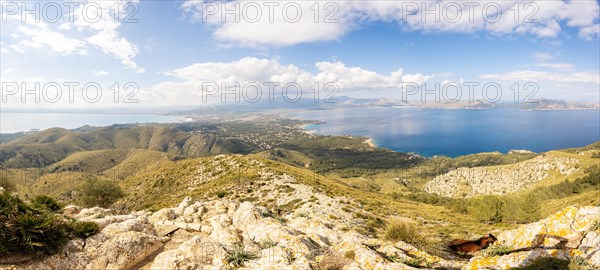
371,143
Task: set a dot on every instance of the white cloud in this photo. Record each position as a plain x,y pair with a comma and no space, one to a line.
541,76
589,32
106,35
100,73
75,37
39,35
111,43
250,69
564,66
540,56
273,28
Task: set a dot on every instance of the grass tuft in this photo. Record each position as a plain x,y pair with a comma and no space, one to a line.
399,230
238,255
331,260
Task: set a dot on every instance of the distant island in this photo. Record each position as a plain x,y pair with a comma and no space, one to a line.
541,104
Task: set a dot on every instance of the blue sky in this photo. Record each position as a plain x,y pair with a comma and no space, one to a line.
371,50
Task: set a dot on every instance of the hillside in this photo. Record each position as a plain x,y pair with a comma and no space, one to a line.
340,182
52,145
228,234
549,168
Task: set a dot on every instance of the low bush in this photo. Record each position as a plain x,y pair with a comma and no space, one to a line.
84,229
8,185
399,230
100,192
34,227
46,202
497,250
487,208
545,264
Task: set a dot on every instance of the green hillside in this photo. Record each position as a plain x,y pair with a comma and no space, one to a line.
158,165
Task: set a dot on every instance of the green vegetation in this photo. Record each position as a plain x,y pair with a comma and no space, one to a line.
238,255
47,202
497,250
28,228
84,229
221,194
487,208
267,243
347,156
7,184
100,192
158,165
515,208
399,230
546,264
417,263
350,254
593,146
596,225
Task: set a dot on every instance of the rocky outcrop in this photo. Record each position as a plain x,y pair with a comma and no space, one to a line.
316,233
571,234
121,244
500,179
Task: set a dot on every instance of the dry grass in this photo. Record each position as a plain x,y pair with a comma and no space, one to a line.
400,230
331,260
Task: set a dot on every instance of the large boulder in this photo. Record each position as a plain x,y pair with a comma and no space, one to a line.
119,245
191,254
564,229
565,235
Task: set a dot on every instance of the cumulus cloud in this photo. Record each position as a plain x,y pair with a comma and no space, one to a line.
39,35
264,71
84,28
283,23
105,29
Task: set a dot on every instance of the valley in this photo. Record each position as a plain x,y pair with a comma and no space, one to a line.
290,176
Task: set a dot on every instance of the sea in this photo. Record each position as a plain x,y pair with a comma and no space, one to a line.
11,122
432,132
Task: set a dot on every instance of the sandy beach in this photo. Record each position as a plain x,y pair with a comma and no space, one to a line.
371,143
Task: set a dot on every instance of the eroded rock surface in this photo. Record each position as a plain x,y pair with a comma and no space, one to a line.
212,234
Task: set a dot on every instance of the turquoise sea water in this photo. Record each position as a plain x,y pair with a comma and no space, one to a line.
459,132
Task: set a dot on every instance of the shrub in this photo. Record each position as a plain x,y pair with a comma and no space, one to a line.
331,260
267,243
8,185
350,254
84,229
221,194
417,263
497,250
26,228
545,264
47,202
100,192
238,255
398,230
595,225
581,263
45,232
487,208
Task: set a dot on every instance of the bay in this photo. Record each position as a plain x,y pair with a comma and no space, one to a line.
431,132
